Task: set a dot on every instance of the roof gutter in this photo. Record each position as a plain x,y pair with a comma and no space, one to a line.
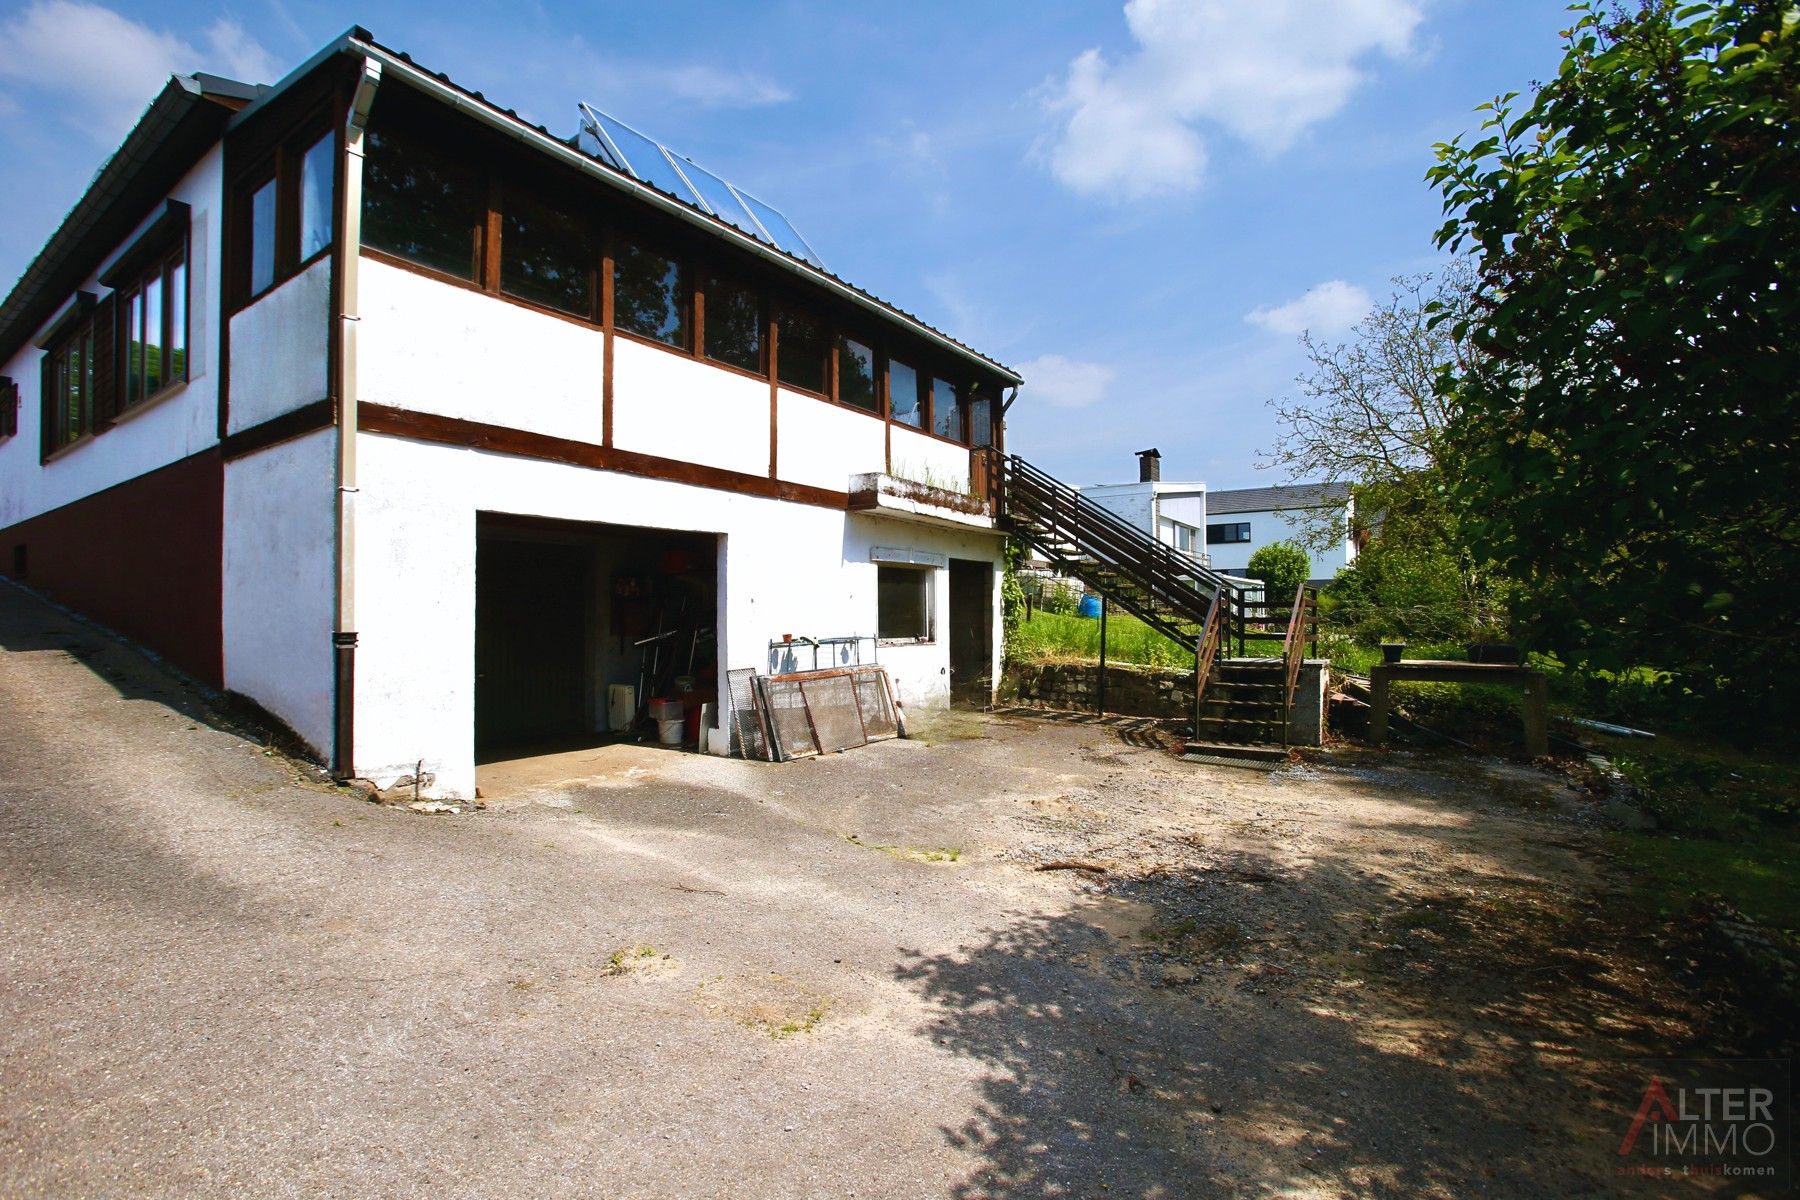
423,81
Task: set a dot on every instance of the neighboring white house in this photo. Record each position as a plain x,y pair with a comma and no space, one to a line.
1174,513
422,428
1242,521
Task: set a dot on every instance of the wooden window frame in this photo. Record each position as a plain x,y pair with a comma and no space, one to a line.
157,272
282,164
77,324
929,574
9,408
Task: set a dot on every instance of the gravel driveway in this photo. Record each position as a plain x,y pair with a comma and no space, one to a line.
694,977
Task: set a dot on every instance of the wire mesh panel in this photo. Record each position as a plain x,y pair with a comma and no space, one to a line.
876,701
831,702
747,739
790,727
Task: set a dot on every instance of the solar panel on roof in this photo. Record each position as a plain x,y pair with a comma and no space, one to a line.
621,146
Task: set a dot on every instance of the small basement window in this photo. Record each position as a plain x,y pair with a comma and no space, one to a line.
903,603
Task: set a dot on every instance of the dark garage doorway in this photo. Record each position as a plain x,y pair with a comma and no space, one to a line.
971,632
569,613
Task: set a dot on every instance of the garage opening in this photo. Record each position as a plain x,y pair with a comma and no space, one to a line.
579,627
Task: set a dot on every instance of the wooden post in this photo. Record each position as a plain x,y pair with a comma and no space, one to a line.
1537,715
1100,698
1378,705
1199,653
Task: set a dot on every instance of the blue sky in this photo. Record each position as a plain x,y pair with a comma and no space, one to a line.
1138,206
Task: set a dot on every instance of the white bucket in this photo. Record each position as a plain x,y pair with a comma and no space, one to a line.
669,732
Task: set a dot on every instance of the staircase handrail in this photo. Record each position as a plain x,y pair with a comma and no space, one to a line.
1293,650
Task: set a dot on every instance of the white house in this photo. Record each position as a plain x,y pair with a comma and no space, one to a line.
1174,513
420,427
1244,520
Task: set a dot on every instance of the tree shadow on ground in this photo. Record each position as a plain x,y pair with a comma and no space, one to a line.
1323,1028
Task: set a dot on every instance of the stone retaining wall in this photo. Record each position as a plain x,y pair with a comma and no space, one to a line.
1136,691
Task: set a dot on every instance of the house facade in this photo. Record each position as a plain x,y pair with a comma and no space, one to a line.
429,431
1241,521
1171,511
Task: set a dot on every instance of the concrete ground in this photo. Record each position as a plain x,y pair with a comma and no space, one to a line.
1011,958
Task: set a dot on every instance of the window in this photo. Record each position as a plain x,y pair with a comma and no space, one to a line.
946,410
69,387
903,603
318,170
856,375
262,238
285,211
648,298
153,331
9,408
1178,535
1228,534
547,257
981,418
733,327
801,350
422,205
903,394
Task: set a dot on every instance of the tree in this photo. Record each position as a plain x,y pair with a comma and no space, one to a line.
1625,433
1283,567
1369,413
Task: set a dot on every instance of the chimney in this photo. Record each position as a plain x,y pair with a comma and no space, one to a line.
1149,465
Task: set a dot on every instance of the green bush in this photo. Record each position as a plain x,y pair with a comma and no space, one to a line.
1283,567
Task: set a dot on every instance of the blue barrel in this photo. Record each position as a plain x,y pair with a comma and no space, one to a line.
1090,606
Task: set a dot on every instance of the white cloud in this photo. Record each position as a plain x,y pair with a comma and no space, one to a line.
1262,70
710,87
106,68
232,52
1063,382
1329,309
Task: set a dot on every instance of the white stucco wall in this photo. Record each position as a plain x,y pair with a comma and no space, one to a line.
1132,501
182,422
823,444
279,349
789,568
279,581
676,407
431,347
926,459
1268,527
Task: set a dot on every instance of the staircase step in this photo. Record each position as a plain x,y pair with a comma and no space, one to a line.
1229,754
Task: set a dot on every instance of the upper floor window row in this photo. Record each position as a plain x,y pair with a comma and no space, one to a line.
105,357
439,211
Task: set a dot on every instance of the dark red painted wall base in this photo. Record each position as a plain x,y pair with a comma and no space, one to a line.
145,557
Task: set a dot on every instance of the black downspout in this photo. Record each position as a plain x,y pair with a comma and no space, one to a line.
343,715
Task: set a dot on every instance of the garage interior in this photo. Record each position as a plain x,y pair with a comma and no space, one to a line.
579,626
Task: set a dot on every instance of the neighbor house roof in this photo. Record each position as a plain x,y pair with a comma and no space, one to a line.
1274,499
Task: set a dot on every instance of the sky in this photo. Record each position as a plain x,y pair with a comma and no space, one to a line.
1138,207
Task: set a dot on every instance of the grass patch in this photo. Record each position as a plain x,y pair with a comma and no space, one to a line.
909,853
1760,879
1728,826
627,959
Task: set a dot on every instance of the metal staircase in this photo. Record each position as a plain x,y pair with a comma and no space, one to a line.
1236,702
